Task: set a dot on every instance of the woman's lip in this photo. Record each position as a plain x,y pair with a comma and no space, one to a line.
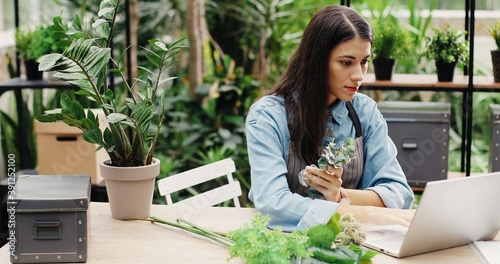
352,88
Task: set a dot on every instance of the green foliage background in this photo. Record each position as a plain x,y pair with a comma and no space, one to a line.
210,126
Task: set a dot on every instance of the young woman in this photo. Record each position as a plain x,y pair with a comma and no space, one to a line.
315,102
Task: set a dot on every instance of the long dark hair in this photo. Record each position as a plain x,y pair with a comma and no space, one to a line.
305,81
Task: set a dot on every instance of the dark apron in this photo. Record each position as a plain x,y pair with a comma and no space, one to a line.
352,172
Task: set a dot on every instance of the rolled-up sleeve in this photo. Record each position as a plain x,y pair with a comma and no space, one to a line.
382,172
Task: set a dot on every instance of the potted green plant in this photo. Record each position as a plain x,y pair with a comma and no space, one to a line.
31,44
447,47
494,31
130,137
390,42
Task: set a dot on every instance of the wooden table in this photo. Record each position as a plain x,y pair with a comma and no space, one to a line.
115,241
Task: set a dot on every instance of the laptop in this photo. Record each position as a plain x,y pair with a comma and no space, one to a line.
451,213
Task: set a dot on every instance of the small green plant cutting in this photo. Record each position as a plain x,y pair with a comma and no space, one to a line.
335,157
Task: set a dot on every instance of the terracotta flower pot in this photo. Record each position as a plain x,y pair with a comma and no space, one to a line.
130,189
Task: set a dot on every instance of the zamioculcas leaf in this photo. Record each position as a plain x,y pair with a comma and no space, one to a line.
93,136
86,64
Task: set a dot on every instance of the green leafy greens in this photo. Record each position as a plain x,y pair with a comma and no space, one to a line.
337,241
258,245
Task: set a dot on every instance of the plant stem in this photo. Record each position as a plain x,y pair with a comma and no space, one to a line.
190,227
218,235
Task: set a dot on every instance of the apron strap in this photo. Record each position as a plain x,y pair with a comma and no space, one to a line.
354,117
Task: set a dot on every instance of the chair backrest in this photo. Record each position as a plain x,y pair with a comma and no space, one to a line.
184,180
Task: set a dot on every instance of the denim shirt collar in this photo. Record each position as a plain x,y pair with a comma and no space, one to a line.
339,112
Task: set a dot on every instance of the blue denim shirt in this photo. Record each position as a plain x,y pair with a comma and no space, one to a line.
268,141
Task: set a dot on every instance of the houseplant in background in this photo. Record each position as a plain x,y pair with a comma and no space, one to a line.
390,42
130,137
494,31
447,47
31,44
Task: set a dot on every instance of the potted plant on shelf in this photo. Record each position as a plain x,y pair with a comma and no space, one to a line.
31,44
130,137
494,31
390,42
447,48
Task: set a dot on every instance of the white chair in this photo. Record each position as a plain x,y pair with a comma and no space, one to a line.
184,180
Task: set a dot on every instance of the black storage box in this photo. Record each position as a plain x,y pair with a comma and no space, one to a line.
420,131
50,216
495,138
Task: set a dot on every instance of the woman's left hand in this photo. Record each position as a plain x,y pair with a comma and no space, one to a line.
328,182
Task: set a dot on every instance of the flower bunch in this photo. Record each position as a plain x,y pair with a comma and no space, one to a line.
351,231
338,241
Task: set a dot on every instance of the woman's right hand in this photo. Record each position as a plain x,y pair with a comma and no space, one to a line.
378,215
327,182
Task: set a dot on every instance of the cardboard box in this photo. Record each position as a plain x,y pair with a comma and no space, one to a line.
61,149
50,219
420,131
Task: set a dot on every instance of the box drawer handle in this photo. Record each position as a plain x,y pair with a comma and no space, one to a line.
47,230
66,138
409,145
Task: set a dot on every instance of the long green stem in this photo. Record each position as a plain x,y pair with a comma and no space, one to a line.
208,232
190,227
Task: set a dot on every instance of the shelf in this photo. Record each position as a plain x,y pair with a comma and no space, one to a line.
22,83
485,84
25,83
428,82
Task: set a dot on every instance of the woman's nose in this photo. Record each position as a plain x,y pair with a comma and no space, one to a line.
358,74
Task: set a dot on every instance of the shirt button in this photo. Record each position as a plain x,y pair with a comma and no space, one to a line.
329,133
